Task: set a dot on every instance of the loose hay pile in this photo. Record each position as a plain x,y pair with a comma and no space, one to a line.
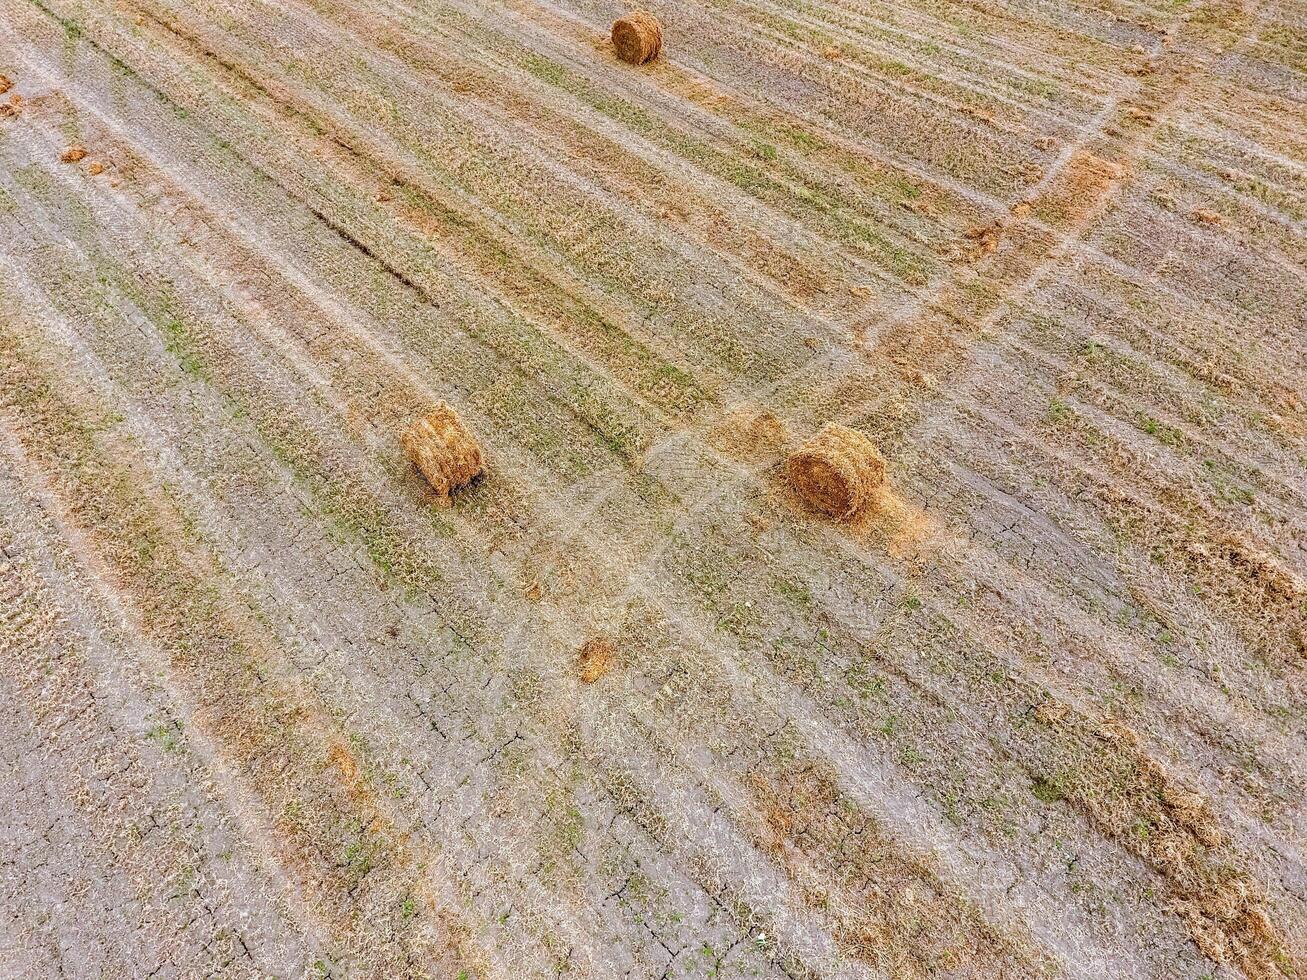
837,471
638,37
443,450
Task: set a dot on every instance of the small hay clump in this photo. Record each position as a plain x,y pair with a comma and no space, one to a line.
443,450
638,37
837,471
595,659
72,155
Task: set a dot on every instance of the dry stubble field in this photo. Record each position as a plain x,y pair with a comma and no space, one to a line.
1038,712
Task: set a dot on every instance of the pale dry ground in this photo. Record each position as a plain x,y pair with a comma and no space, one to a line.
267,711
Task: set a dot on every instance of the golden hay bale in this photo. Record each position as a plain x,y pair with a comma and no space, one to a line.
595,659
638,37
837,470
443,450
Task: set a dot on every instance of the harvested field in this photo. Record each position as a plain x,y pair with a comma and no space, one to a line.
579,681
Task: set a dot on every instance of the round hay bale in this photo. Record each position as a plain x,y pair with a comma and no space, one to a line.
443,450
837,471
638,37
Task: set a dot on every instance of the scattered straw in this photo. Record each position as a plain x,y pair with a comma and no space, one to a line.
983,240
1050,711
837,471
638,37
443,450
751,433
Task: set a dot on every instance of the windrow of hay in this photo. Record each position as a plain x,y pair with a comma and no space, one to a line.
443,450
637,37
1129,795
886,908
837,471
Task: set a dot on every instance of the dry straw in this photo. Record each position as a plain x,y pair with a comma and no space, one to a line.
837,471
638,37
443,450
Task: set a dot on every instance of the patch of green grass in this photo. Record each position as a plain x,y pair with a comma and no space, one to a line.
897,188
166,737
1163,433
862,679
360,857
1038,87
571,827
796,592
904,264
1046,790
178,342
747,178
1059,411
741,620
546,70
798,137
